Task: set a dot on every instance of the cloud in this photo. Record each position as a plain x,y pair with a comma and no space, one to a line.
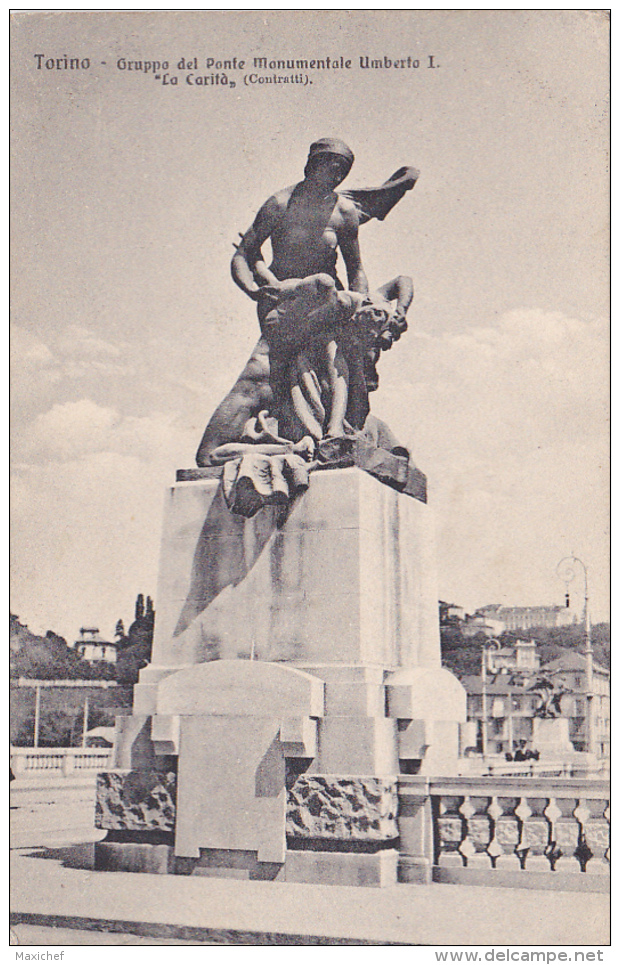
73,353
87,494
27,350
508,421
76,340
532,379
85,540
72,430
510,424
131,377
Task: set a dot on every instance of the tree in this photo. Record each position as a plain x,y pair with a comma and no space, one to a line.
137,644
45,658
462,655
120,629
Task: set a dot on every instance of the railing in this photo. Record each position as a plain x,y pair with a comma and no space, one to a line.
476,767
531,769
544,832
82,684
59,761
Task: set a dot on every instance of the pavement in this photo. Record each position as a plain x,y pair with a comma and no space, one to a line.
48,935
55,893
46,811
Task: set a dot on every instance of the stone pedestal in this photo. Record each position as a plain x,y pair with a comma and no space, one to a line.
550,736
295,673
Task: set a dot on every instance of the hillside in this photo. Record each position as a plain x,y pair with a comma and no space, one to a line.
462,655
48,657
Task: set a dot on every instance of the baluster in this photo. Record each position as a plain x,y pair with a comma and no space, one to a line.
564,834
507,834
535,834
596,830
477,838
582,852
607,816
523,812
450,831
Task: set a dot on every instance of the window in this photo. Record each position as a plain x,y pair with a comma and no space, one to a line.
497,708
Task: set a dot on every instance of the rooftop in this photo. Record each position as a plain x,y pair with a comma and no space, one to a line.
498,685
573,660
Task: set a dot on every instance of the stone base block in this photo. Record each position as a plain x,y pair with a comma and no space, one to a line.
551,737
354,700
136,747
223,863
294,584
241,688
232,791
337,868
356,745
344,673
351,690
415,871
425,693
152,859
145,691
432,745
354,809
536,880
135,801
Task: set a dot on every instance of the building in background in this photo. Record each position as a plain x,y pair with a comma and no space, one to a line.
569,671
510,711
513,699
450,614
473,625
521,658
93,648
526,617
453,616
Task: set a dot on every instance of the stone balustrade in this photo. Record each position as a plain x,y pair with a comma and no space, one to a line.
532,832
58,761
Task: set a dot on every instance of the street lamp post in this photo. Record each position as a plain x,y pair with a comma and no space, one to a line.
37,716
85,721
566,572
486,646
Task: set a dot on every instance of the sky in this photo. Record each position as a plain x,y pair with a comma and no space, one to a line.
127,329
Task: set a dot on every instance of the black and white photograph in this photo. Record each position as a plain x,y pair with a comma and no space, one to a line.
310,544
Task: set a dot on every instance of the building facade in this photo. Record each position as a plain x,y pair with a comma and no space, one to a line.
526,617
491,627
569,672
522,658
93,648
512,701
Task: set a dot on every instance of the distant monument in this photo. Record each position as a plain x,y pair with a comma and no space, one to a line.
296,664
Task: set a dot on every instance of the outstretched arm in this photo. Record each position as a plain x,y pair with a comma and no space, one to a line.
401,289
248,254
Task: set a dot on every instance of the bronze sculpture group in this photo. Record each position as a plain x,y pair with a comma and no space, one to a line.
301,400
